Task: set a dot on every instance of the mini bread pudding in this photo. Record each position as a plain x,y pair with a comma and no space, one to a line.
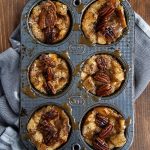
49,21
49,128
49,74
104,21
102,75
104,129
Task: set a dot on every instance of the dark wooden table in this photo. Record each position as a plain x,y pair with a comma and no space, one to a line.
10,11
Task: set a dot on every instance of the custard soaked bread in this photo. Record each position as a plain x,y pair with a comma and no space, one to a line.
104,21
104,129
102,75
49,128
49,21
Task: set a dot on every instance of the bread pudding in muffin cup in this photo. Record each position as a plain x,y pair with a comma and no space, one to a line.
102,75
50,21
49,128
103,128
49,74
104,21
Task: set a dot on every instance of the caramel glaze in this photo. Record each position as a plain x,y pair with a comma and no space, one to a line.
27,91
80,8
77,69
68,109
84,40
76,27
117,53
65,54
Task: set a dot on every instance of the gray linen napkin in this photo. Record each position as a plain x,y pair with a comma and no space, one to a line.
9,82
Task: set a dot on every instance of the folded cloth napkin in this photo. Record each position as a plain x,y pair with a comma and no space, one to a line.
9,81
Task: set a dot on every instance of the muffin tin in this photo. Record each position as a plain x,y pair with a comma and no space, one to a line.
75,101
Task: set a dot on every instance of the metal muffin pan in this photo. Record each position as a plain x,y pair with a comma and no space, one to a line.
75,99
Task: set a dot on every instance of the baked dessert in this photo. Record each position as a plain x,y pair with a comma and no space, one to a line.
49,128
104,21
102,75
104,129
49,74
49,21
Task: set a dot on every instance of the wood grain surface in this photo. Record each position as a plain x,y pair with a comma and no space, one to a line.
10,11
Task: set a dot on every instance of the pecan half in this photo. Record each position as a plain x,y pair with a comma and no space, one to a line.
42,18
102,77
47,65
102,63
104,15
101,121
109,34
104,90
46,60
106,11
100,144
53,90
50,34
47,17
50,115
50,74
48,131
51,18
47,21
103,25
106,132
48,5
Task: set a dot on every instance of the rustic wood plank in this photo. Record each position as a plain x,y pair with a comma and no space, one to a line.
10,11
142,7
142,126
142,105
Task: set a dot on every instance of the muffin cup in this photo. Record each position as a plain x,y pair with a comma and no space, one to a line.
125,31
67,86
67,36
101,105
44,105
125,68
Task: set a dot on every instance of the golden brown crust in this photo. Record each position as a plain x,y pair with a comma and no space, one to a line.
49,74
109,129
102,75
104,21
49,128
49,21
